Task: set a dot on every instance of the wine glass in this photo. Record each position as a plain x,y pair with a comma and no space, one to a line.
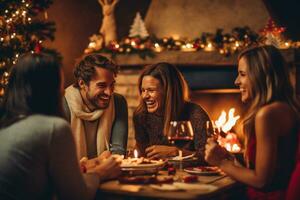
180,134
211,130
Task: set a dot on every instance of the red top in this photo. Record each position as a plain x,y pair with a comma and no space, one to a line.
284,166
293,192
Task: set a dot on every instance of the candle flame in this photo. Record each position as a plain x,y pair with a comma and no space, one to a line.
135,153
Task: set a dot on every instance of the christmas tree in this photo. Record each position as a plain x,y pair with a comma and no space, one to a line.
23,28
138,28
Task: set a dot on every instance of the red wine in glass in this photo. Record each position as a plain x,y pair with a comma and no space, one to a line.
180,141
180,133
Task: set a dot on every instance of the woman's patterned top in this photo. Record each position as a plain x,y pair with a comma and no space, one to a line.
149,129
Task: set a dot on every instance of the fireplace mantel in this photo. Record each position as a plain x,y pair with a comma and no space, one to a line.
198,58
191,59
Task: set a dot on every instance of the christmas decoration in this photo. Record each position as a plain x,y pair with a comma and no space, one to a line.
108,28
226,44
272,35
96,42
22,31
138,28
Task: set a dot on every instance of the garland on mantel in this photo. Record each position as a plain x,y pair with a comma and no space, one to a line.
224,43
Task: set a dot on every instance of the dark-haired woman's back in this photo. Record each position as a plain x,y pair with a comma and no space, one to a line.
35,155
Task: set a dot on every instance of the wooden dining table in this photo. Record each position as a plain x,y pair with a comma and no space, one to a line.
225,188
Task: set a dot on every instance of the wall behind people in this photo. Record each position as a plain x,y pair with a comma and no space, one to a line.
77,20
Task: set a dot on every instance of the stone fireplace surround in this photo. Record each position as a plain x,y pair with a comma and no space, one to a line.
210,77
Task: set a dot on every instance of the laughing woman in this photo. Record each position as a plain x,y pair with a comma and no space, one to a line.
164,98
270,126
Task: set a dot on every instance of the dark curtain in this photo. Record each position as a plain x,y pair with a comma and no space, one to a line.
286,13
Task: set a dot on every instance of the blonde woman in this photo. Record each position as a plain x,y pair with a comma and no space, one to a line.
270,126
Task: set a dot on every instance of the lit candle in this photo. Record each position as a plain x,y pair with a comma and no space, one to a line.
157,47
133,43
136,158
92,45
209,47
188,47
180,154
117,46
135,153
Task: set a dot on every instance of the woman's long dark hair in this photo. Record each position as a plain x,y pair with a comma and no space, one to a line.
176,91
33,88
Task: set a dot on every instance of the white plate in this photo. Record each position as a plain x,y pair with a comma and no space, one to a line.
196,171
149,165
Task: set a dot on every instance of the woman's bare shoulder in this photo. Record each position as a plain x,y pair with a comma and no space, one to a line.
275,109
278,115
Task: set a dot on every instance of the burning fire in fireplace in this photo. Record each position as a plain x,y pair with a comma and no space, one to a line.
223,126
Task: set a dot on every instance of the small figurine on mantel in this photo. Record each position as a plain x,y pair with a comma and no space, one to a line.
108,28
96,43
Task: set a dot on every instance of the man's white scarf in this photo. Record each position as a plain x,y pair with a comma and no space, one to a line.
80,112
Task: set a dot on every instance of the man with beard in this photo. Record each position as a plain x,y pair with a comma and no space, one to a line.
98,116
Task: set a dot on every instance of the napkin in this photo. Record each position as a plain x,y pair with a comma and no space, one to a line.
131,188
203,188
198,187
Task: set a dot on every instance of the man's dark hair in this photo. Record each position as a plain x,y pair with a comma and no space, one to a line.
85,67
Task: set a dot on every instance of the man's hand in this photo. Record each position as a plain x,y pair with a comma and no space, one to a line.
108,169
161,151
91,163
104,155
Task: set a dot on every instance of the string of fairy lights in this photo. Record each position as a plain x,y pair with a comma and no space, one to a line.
9,34
223,43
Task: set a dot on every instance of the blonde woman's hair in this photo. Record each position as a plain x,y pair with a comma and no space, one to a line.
270,81
174,87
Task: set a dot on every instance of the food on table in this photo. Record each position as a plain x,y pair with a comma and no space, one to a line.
164,179
167,165
145,180
171,171
203,170
206,169
139,161
190,179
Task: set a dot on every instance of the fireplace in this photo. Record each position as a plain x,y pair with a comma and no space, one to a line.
213,87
